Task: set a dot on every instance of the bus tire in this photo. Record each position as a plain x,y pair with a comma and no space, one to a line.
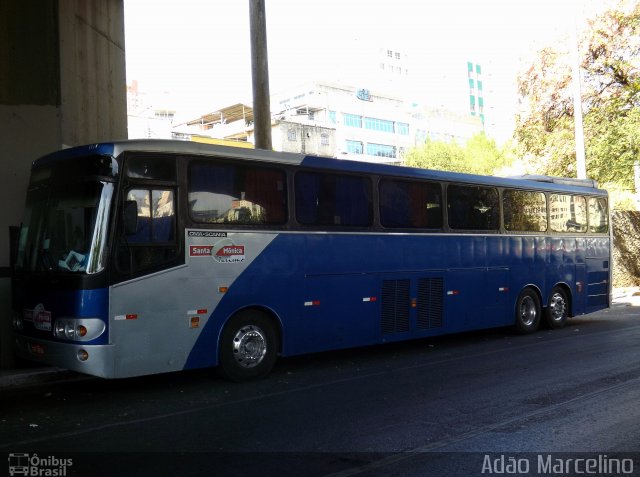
557,310
248,347
528,311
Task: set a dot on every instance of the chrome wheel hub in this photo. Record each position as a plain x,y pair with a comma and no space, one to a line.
557,307
528,313
249,346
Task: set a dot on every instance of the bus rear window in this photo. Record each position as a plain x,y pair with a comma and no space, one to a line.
233,194
598,215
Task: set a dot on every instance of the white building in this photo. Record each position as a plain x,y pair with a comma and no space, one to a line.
342,121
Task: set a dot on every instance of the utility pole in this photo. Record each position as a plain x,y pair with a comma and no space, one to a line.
581,163
260,75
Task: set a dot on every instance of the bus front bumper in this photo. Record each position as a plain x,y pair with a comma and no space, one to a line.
98,362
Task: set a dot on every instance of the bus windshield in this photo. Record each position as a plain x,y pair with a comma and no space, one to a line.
65,228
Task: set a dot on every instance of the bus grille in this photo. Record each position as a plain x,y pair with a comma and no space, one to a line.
395,306
429,303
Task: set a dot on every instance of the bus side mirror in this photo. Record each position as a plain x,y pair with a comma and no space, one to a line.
130,217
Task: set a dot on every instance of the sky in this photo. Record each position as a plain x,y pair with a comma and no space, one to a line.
196,53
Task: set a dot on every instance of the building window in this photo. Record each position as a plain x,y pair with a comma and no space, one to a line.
397,55
291,135
324,139
402,129
332,117
390,53
352,120
354,147
381,150
376,124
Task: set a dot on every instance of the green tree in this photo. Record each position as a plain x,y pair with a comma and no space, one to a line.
479,155
609,51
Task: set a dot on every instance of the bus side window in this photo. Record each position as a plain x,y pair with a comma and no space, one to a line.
324,199
524,211
233,194
568,213
409,204
473,208
156,216
151,242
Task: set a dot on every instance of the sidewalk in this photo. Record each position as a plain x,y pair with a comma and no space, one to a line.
10,378
629,296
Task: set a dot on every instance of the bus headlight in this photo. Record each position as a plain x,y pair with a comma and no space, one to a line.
69,330
78,329
17,323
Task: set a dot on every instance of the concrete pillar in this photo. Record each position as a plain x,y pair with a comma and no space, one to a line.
62,83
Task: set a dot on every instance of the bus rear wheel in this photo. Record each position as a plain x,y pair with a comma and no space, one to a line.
528,311
557,310
248,347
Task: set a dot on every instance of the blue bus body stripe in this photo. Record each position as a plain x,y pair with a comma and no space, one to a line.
485,274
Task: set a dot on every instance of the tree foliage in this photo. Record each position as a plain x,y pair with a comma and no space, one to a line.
480,155
609,53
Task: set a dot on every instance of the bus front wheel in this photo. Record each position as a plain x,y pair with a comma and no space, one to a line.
557,309
248,347
528,311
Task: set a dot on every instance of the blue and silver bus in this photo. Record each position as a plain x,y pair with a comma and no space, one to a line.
142,257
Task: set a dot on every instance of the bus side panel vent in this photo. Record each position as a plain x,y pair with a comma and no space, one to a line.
395,306
430,303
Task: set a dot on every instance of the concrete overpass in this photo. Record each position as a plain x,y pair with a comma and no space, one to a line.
62,83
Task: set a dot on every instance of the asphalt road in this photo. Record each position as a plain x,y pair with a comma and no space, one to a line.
429,407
